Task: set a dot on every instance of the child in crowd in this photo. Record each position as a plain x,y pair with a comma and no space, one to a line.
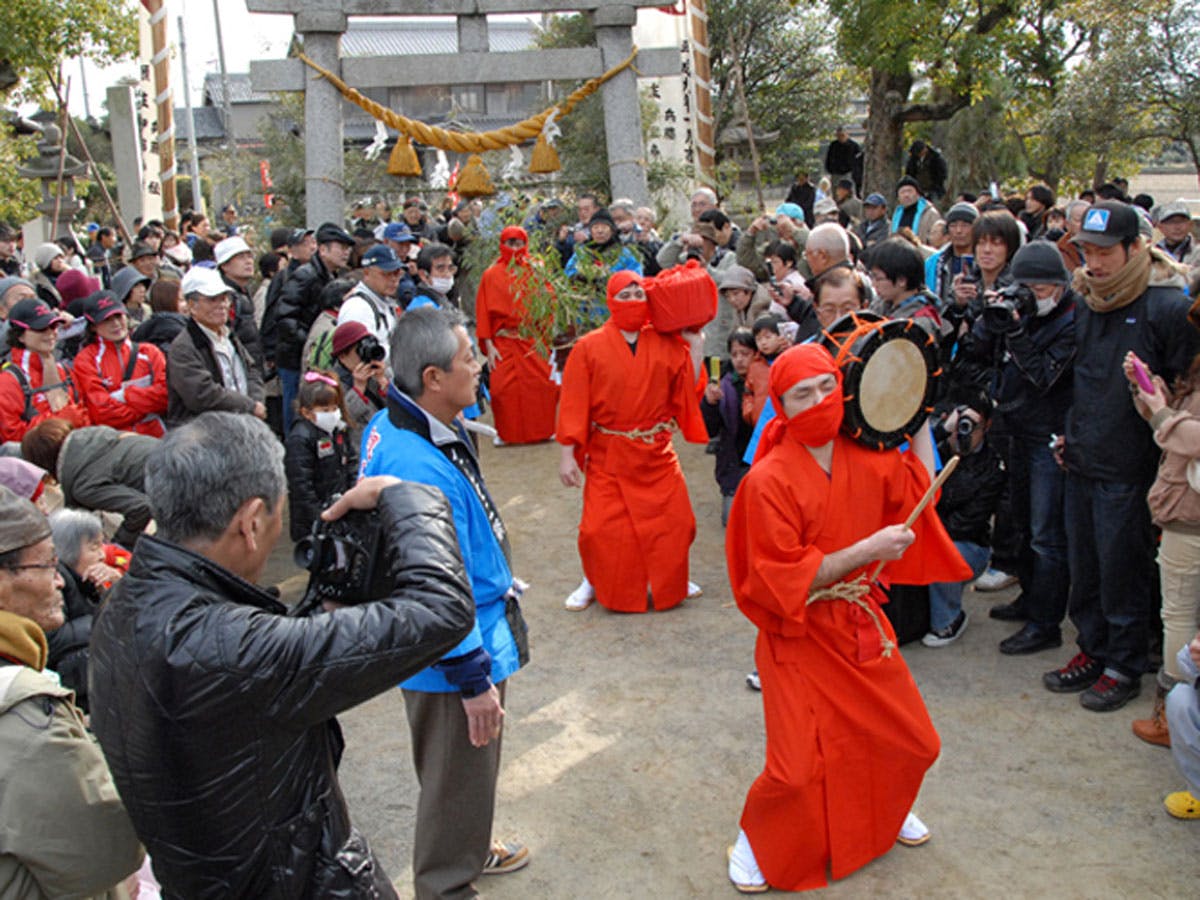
771,338
966,507
722,411
319,460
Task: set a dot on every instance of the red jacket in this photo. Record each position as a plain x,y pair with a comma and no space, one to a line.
137,403
19,412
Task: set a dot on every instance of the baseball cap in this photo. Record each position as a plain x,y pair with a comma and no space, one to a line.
398,232
1108,222
347,335
33,314
415,201
298,235
328,233
140,249
202,280
824,206
229,248
1174,208
102,305
707,231
382,257
875,200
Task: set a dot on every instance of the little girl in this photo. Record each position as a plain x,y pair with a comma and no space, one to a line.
319,460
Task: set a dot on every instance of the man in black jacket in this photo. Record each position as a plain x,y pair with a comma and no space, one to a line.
216,710
300,304
1111,456
844,158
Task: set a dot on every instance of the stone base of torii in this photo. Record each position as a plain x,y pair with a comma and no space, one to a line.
321,23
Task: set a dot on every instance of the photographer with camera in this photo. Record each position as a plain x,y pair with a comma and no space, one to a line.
360,368
966,506
216,710
1024,347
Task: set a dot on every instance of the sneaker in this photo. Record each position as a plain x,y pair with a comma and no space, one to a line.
747,878
580,598
913,832
753,682
1077,675
1109,693
994,580
949,634
1182,805
505,857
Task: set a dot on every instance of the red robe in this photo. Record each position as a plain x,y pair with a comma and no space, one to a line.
637,523
848,736
524,398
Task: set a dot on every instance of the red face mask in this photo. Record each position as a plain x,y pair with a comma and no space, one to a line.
512,233
627,315
818,425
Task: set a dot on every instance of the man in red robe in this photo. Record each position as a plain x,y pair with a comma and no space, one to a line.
625,388
524,398
848,736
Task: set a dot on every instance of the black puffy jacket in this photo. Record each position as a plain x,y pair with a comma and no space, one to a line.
318,465
298,307
215,710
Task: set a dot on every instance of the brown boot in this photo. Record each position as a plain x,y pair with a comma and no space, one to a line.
1154,729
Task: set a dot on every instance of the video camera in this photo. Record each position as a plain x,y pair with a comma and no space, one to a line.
346,561
1018,298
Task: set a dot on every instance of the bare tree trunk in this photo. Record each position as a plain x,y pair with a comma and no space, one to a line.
882,155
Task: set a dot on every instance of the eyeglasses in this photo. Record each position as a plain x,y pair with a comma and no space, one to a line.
53,564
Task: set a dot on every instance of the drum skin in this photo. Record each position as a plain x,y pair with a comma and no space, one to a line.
890,370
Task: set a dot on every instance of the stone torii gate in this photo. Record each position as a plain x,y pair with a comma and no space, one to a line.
321,23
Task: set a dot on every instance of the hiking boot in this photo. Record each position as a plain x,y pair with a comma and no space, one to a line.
994,580
1077,675
1108,693
949,634
1154,729
505,857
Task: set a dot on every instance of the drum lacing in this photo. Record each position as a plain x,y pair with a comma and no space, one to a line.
638,434
855,592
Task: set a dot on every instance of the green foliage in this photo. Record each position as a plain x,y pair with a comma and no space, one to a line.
18,196
38,34
796,86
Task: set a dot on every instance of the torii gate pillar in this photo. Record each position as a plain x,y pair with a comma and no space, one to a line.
622,107
324,188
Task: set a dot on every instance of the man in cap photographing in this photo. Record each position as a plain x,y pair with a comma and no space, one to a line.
66,832
1110,454
373,300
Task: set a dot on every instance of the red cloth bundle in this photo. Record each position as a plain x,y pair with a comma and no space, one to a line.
681,298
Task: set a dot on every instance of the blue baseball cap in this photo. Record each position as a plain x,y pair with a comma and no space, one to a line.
791,210
382,257
398,232
875,200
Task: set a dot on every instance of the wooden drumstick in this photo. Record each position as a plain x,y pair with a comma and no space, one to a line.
920,507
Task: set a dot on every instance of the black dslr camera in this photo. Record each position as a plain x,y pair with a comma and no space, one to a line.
1018,298
346,561
370,350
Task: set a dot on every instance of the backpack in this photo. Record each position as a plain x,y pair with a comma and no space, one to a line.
30,412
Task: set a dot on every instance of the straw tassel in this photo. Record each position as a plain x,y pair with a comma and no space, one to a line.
403,160
544,158
473,180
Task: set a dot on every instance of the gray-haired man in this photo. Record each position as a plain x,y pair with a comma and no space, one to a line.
216,710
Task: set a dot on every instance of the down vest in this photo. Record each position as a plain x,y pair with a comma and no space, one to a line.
216,711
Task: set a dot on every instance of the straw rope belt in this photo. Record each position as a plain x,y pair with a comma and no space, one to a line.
855,592
639,434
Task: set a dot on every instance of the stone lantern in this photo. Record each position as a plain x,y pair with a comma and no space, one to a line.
45,168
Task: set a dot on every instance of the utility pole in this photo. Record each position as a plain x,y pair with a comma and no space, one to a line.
194,163
227,108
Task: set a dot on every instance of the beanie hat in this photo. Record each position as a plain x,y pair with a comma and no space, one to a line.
1039,262
21,523
910,182
737,277
962,212
44,254
7,284
347,335
604,216
73,284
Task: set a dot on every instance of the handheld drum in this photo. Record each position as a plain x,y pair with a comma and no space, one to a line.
890,369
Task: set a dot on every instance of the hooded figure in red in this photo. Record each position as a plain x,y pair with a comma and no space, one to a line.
848,736
625,389
524,399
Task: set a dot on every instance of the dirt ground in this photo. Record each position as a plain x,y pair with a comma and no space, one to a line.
630,742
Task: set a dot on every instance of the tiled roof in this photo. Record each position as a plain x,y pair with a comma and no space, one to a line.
240,90
208,123
400,38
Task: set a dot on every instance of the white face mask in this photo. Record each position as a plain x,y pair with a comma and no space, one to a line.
329,420
1045,307
442,285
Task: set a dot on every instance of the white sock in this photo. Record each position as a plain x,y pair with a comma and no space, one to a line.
743,867
913,828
